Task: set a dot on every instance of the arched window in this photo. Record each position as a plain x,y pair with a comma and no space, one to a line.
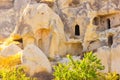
77,30
96,21
108,24
110,40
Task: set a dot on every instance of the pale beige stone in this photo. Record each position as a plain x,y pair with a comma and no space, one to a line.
6,4
7,22
103,54
35,60
10,50
19,4
74,47
115,66
46,27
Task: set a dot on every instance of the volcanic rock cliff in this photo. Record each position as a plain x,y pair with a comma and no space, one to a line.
60,27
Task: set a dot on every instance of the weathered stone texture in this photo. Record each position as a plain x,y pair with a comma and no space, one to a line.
7,22
66,26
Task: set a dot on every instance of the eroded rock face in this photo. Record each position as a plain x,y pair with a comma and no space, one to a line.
72,13
7,23
35,60
19,4
93,17
74,47
6,4
73,26
110,58
45,28
103,54
115,58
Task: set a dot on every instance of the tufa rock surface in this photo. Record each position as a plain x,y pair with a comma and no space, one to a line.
35,60
66,26
10,50
43,27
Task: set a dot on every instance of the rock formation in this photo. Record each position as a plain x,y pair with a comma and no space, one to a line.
6,4
32,58
60,27
10,50
35,60
45,28
7,23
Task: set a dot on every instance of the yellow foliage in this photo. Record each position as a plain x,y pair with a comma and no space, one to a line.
11,39
1,41
1,48
16,36
11,61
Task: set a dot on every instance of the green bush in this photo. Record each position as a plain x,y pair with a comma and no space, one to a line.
13,74
86,69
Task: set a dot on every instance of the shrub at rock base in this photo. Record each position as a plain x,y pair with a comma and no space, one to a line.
86,69
11,61
9,69
14,74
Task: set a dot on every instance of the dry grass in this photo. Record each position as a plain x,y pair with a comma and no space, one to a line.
11,61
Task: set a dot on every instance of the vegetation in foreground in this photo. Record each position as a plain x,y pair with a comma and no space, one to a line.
14,74
87,69
9,69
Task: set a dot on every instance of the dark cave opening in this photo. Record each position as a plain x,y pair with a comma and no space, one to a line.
110,40
96,21
108,24
77,30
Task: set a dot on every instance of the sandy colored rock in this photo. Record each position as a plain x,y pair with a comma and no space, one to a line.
70,26
19,4
103,54
7,23
10,50
115,64
85,14
74,47
6,4
35,60
47,29
28,39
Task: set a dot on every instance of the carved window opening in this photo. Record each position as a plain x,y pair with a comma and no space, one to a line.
110,40
113,18
77,30
96,21
108,24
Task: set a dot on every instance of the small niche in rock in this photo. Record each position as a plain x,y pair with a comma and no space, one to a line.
96,21
110,40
